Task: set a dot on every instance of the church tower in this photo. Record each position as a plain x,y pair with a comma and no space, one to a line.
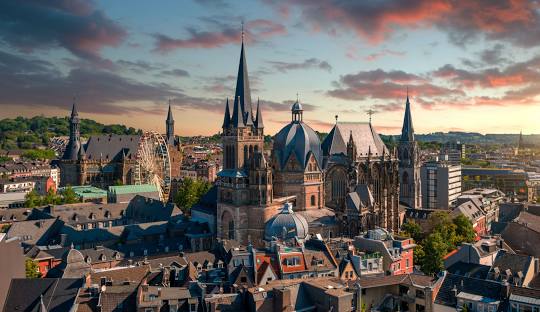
72,148
169,125
409,163
245,182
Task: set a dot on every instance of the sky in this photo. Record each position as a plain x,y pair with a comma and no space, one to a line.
467,65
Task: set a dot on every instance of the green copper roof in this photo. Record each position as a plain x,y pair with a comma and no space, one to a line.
129,189
87,191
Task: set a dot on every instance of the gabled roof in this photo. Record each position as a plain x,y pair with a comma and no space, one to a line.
364,136
334,143
59,294
112,146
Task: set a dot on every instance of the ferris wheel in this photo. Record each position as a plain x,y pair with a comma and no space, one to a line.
153,163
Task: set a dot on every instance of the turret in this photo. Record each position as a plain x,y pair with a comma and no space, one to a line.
72,148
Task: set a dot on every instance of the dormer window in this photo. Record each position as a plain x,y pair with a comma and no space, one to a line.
88,259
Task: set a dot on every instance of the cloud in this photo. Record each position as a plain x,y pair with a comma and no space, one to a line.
35,83
76,26
463,21
312,63
375,56
225,34
176,72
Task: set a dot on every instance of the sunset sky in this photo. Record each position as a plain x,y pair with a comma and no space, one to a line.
468,65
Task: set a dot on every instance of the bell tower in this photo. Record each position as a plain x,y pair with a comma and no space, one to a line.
409,163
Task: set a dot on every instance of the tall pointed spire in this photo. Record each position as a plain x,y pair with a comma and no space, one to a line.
227,117
259,119
169,125
243,92
407,132
237,119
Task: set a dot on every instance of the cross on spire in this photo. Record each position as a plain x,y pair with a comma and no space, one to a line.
242,31
370,113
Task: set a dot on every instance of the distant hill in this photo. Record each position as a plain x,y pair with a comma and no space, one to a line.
28,133
475,138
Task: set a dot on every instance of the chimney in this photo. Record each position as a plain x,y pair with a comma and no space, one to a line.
505,290
159,292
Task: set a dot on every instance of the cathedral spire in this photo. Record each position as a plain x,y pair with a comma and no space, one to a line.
237,116
407,132
259,118
169,126
243,92
227,117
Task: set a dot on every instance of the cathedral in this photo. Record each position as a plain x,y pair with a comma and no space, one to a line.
345,185
108,159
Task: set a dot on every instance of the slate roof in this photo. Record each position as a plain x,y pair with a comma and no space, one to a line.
298,139
73,265
469,269
32,232
360,199
112,146
521,239
334,143
514,263
530,220
364,136
480,287
59,294
22,214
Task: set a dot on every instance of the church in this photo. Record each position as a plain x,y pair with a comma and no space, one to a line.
108,159
345,185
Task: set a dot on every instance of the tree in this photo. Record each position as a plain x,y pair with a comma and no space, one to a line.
464,229
442,223
35,154
69,196
32,199
413,230
32,269
434,249
51,198
189,192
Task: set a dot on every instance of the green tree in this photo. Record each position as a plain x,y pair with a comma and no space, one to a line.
69,196
413,230
36,154
434,251
189,192
51,198
32,269
32,199
442,223
464,229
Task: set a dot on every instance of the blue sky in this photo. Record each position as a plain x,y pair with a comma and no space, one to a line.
468,66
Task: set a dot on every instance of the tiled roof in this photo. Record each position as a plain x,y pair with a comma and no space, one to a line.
118,298
120,275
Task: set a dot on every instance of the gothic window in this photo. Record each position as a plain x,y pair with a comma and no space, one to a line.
245,154
227,224
405,184
313,200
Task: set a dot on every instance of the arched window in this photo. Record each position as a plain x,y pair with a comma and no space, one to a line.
404,184
245,154
313,199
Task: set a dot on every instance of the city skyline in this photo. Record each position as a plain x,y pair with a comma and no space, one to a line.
465,70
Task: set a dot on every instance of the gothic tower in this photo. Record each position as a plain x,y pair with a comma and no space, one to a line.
409,163
169,124
72,148
245,182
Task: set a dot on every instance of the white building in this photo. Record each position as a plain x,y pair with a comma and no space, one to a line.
441,185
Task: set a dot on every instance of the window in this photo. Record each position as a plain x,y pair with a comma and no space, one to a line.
407,263
243,279
312,200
